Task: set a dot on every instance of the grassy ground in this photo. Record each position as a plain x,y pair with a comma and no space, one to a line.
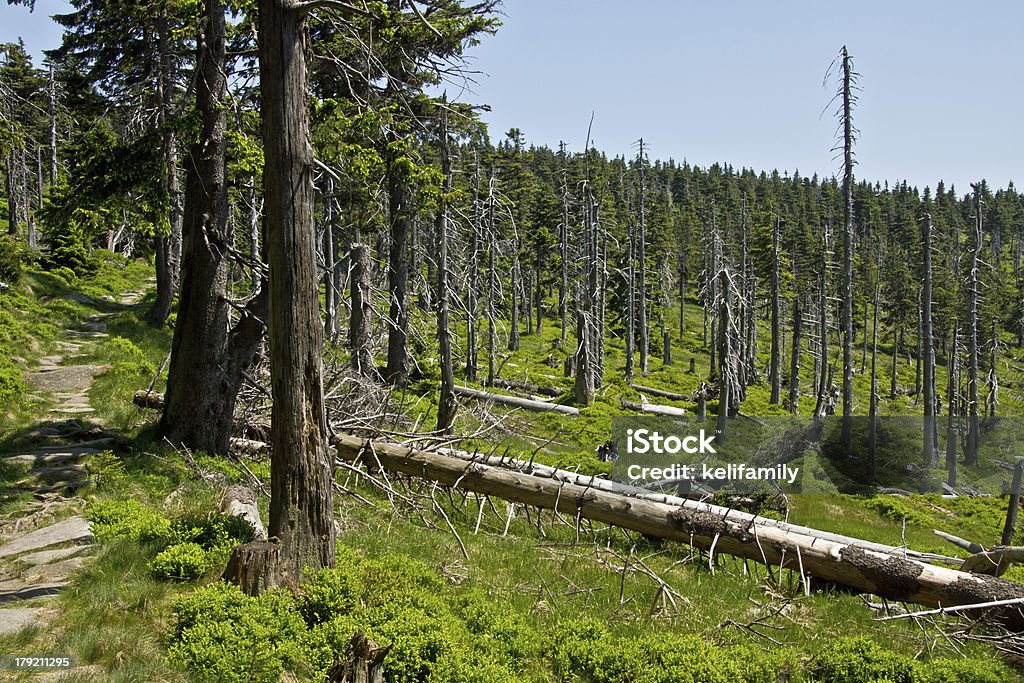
121,617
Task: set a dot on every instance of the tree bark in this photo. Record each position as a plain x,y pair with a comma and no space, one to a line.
207,359
644,332
847,298
973,419
446,405
301,504
397,371
359,330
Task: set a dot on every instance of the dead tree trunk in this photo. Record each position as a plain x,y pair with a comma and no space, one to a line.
821,405
492,367
992,398
644,336
973,419
446,400
726,374
794,359
301,503
359,329
474,276
583,389
847,298
774,369
930,457
951,391
563,246
331,257
400,210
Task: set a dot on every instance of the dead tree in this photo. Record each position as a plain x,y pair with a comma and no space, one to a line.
846,120
930,457
821,405
492,284
794,358
474,275
973,419
563,245
644,332
729,385
952,411
359,329
446,401
774,369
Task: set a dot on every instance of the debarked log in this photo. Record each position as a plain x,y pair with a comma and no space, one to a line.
856,567
653,408
516,402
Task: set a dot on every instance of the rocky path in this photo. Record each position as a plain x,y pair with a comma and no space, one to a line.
47,542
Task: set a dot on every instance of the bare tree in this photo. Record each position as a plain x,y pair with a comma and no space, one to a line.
446,401
930,457
973,419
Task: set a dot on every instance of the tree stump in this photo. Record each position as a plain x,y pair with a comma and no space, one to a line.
363,663
255,567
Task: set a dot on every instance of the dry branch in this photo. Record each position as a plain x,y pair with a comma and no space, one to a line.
516,402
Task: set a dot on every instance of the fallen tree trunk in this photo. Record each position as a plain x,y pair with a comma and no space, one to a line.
554,392
239,501
653,408
662,393
856,567
516,402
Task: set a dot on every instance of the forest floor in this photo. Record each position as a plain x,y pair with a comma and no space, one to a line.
514,594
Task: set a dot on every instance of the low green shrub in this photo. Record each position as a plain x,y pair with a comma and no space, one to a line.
131,520
221,635
860,659
181,562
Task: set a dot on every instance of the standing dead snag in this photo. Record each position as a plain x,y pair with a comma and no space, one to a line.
846,120
359,337
446,401
730,389
301,498
973,419
775,370
644,332
928,358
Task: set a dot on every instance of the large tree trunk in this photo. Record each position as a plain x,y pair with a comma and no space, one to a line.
207,361
794,358
301,501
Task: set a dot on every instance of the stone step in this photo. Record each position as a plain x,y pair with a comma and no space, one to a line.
48,556
73,530
55,572
14,619
15,590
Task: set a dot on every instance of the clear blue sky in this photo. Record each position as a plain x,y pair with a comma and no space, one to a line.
740,81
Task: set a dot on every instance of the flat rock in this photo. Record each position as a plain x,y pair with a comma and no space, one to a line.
68,378
90,671
57,572
48,556
93,326
17,591
14,619
80,298
73,530
50,457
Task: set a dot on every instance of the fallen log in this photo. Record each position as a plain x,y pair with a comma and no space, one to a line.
662,393
602,484
527,386
653,408
856,567
152,400
516,402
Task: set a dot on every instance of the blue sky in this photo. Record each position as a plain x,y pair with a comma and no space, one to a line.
741,81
